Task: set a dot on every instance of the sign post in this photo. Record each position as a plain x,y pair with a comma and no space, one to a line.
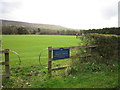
49,60
61,53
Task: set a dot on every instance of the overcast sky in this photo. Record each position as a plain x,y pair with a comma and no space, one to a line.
77,14
119,14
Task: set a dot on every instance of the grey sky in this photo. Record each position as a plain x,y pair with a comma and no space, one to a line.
6,7
110,11
119,14
78,14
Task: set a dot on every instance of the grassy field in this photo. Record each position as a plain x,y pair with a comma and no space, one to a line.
29,46
31,75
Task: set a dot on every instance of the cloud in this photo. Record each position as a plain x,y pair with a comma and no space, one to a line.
8,6
68,13
119,14
110,12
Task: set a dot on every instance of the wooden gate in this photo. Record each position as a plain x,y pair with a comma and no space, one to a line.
50,58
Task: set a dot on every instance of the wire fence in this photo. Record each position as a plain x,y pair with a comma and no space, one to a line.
30,53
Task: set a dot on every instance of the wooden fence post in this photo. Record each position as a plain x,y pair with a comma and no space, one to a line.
49,60
7,67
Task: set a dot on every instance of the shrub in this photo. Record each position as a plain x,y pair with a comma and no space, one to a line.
107,45
106,50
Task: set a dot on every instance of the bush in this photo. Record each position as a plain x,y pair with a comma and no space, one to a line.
106,50
107,45
112,30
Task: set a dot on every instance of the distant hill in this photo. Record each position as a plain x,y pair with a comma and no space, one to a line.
26,24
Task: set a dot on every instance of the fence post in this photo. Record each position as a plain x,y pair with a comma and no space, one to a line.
49,60
7,67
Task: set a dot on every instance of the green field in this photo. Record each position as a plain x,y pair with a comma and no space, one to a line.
31,75
29,46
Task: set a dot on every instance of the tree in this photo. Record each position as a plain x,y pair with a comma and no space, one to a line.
22,30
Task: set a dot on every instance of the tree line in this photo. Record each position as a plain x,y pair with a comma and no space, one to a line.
35,30
40,31
112,30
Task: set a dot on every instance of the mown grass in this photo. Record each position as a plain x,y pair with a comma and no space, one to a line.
30,46
31,75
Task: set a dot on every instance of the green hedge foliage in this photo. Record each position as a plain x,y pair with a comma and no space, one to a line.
107,48
107,56
112,30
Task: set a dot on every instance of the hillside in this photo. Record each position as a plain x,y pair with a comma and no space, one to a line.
26,24
17,27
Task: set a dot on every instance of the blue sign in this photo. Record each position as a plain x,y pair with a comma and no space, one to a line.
61,53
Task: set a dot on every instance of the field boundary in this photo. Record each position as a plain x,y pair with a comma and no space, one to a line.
50,59
6,63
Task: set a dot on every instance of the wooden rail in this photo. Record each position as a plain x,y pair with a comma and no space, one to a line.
85,46
50,59
6,63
